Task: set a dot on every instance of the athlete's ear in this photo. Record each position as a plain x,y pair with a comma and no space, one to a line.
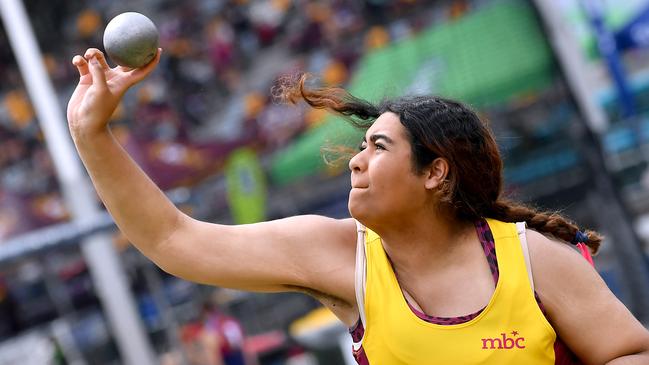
436,173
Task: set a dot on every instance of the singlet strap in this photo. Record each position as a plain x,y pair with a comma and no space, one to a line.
520,227
360,277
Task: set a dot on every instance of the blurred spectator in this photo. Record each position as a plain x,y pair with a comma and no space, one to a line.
195,345
214,339
226,333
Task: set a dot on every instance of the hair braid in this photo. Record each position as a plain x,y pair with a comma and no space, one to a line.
544,222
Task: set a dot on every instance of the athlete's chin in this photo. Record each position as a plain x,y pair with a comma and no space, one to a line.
357,209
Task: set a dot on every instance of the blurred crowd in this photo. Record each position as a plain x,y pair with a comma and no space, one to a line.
210,94
213,338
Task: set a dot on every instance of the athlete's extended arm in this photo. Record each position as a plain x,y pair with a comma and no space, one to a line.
310,252
596,326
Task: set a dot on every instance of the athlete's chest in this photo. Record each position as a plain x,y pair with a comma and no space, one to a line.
493,336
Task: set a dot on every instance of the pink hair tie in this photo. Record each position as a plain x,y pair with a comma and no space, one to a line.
585,252
580,241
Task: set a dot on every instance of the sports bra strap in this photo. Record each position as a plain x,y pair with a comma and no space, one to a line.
360,277
520,227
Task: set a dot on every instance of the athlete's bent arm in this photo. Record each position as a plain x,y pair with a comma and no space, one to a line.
596,326
309,253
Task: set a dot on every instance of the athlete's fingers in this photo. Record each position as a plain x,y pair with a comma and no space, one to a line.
139,74
98,73
81,64
94,52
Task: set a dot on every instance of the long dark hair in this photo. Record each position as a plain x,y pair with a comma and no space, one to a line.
439,127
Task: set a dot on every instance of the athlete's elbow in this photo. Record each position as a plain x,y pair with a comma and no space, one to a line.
169,252
641,356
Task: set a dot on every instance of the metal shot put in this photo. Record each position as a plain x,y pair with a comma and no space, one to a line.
131,40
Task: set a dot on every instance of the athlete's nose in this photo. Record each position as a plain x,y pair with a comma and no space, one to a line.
356,162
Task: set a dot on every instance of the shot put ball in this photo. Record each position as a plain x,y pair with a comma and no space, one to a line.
131,40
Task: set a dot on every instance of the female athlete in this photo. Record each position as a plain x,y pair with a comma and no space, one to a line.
434,267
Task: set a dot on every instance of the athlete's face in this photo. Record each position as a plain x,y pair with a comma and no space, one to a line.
385,187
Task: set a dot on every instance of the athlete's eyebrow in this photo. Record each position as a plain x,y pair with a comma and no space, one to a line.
376,136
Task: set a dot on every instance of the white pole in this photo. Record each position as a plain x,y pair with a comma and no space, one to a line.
105,266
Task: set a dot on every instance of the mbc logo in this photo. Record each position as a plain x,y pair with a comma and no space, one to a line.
504,342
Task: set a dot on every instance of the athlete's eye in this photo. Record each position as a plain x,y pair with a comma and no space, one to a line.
362,146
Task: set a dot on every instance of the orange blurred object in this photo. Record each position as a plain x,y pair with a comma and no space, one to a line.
19,108
281,4
180,47
335,73
376,37
254,104
88,22
458,9
50,207
50,63
318,12
144,94
315,117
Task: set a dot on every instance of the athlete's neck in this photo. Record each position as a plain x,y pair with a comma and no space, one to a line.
426,241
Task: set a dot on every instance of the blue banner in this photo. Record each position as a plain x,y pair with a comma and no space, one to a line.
634,34
606,43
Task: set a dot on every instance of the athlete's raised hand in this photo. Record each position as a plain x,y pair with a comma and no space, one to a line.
100,89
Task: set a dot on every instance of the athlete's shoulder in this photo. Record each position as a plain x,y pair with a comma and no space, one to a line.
552,253
580,306
558,269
